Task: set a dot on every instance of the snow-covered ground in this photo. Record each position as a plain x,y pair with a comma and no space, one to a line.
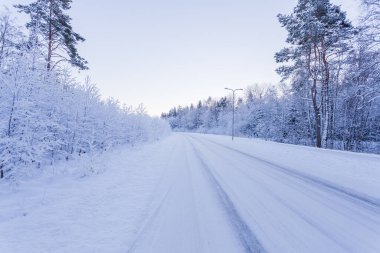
201,193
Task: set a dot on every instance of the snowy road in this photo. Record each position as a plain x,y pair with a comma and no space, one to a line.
222,199
205,193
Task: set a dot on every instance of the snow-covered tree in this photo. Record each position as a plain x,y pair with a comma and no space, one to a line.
317,32
50,24
46,115
330,94
10,37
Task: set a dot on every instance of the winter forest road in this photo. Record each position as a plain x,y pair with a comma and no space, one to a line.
194,193
216,195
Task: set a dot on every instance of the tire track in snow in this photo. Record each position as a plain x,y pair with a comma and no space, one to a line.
371,203
200,233
299,185
148,221
153,208
248,239
298,213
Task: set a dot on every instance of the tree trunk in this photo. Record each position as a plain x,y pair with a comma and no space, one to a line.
325,95
2,40
317,114
50,38
325,128
11,116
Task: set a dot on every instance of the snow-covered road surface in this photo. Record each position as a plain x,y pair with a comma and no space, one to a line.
204,193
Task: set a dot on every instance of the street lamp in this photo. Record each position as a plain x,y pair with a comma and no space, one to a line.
233,110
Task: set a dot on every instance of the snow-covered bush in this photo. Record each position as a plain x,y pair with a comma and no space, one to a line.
45,115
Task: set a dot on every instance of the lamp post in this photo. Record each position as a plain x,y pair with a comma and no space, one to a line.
233,110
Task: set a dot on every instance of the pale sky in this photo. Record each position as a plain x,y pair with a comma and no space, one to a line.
175,52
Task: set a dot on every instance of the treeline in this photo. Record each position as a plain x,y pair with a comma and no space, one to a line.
330,93
45,114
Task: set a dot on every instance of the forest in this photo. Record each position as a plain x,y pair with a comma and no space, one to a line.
46,115
329,96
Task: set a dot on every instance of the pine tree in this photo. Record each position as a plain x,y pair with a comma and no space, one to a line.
53,27
317,31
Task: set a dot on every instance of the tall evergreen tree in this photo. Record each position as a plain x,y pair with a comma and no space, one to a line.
317,30
50,24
